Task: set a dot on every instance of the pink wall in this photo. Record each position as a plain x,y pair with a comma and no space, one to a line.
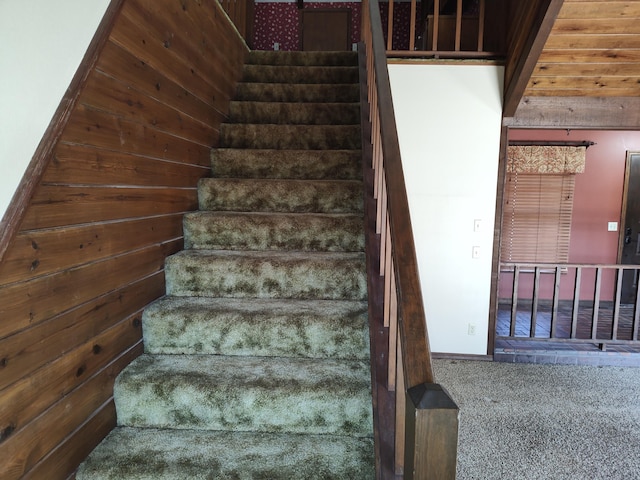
597,201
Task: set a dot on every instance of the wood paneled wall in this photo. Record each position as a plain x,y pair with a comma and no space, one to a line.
89,250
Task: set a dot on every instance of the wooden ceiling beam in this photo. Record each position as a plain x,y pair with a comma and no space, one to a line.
613,113
526,58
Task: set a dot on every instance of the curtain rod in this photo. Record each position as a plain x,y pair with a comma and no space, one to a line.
535,143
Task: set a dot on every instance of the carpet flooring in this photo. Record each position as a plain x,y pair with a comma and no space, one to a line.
534,422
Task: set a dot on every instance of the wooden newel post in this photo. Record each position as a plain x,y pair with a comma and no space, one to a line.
431,434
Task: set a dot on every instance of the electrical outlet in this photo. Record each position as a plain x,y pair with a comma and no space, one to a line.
276,46
471,329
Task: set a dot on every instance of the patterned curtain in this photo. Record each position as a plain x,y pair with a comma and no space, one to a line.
545,159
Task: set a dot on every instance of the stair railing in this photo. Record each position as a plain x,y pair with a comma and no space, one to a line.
426,423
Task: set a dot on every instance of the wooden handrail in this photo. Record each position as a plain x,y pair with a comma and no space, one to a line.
416,354
426,419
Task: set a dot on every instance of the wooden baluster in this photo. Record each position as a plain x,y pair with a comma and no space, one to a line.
616,305
576,302
390,27
401,411
458,25
393,332
388,277
596,304
481,15
556,300
436,25
514,301
534,306
412,27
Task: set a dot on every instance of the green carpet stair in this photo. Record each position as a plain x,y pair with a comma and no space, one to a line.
256,362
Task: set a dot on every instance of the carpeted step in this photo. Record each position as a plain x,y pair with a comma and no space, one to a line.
285,328
285,92
156,454
288,164
295,113
274,231
277,195
258,57
314,137
257,394
299,74
271,274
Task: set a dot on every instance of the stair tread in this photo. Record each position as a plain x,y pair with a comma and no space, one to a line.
274,231
286,164
280,195
287,136
266,255
314,74
294,113
259,327
156,454
292,92
260,57
267,394
267,274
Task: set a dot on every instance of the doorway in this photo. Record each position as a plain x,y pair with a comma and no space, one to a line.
629,249
325,29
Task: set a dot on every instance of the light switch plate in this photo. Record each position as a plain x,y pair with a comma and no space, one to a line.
612,226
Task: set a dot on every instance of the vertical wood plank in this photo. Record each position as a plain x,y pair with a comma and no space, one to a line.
556,300
401,412
458,33
514,301
390,27
393,331
389,291
596,304
412,26
534,306
481,15
616,304
436,25
576,302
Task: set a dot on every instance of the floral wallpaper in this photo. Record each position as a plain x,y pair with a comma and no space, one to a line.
280,22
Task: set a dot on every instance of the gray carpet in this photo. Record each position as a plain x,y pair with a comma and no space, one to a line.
525,421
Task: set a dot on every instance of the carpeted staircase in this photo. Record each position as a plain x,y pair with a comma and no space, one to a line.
256,362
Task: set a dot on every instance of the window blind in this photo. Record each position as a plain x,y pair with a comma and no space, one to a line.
537,218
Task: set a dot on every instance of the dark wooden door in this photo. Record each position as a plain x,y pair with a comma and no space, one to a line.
629,252
325,29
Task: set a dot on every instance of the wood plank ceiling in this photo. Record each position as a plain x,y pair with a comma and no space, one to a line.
586,74
593,50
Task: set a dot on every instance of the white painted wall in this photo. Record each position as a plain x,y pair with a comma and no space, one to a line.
449,120
42,43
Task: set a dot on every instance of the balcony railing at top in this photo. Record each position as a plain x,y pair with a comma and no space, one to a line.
462,29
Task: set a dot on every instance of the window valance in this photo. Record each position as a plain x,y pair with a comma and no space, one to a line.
538,159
